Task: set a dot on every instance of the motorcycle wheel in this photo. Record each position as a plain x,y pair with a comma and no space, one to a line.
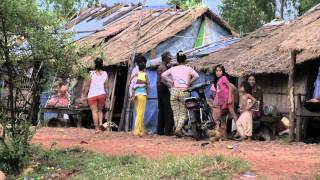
210,123
195,131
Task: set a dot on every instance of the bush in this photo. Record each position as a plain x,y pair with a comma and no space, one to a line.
15,151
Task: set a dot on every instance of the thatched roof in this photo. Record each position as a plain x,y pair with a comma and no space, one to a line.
262,51
116,40
307,38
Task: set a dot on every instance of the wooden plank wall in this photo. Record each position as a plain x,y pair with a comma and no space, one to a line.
111,93
275,88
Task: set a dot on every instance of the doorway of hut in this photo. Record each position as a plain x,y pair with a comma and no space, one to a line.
119,94
312,102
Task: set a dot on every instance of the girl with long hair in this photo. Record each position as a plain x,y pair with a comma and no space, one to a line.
223,98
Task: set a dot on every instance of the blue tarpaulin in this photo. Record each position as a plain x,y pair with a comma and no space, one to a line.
182,41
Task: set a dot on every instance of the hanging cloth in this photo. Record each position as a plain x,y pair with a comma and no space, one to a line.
316,93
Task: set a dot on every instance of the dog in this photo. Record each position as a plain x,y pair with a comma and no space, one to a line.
216,134
57,123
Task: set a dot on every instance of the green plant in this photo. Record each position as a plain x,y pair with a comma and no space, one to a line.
305,5
15,150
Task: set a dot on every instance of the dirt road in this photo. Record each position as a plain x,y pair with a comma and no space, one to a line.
269,160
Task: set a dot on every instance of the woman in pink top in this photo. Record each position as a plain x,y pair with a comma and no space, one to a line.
223,98
97,93
179,79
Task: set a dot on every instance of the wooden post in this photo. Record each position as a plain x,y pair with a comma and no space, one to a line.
291,97
126,101
112,95
298,128
305,124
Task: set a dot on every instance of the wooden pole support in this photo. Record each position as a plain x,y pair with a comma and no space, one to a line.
291,97
298,128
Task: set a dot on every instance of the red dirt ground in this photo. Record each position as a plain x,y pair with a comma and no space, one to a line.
269,160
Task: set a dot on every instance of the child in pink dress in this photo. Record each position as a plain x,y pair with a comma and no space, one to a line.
223,98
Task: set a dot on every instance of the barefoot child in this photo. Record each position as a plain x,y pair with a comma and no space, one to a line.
244,123
223,97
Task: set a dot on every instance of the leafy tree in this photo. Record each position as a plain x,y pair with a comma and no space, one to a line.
289,7
305,5
32,36
185,4
247,15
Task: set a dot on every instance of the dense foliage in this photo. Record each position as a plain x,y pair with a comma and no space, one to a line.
305,5
247,15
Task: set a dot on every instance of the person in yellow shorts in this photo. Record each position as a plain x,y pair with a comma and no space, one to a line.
140,99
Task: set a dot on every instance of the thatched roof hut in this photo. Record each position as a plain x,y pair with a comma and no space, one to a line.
264,51
117,38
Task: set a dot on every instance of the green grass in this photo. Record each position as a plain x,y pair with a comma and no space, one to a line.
317,176
88,165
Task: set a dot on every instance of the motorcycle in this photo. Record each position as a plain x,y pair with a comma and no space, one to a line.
200,119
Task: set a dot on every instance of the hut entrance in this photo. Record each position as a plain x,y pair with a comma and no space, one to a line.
119,93
311,102
314,74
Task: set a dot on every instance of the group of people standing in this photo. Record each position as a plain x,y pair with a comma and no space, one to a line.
172,84
223,98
